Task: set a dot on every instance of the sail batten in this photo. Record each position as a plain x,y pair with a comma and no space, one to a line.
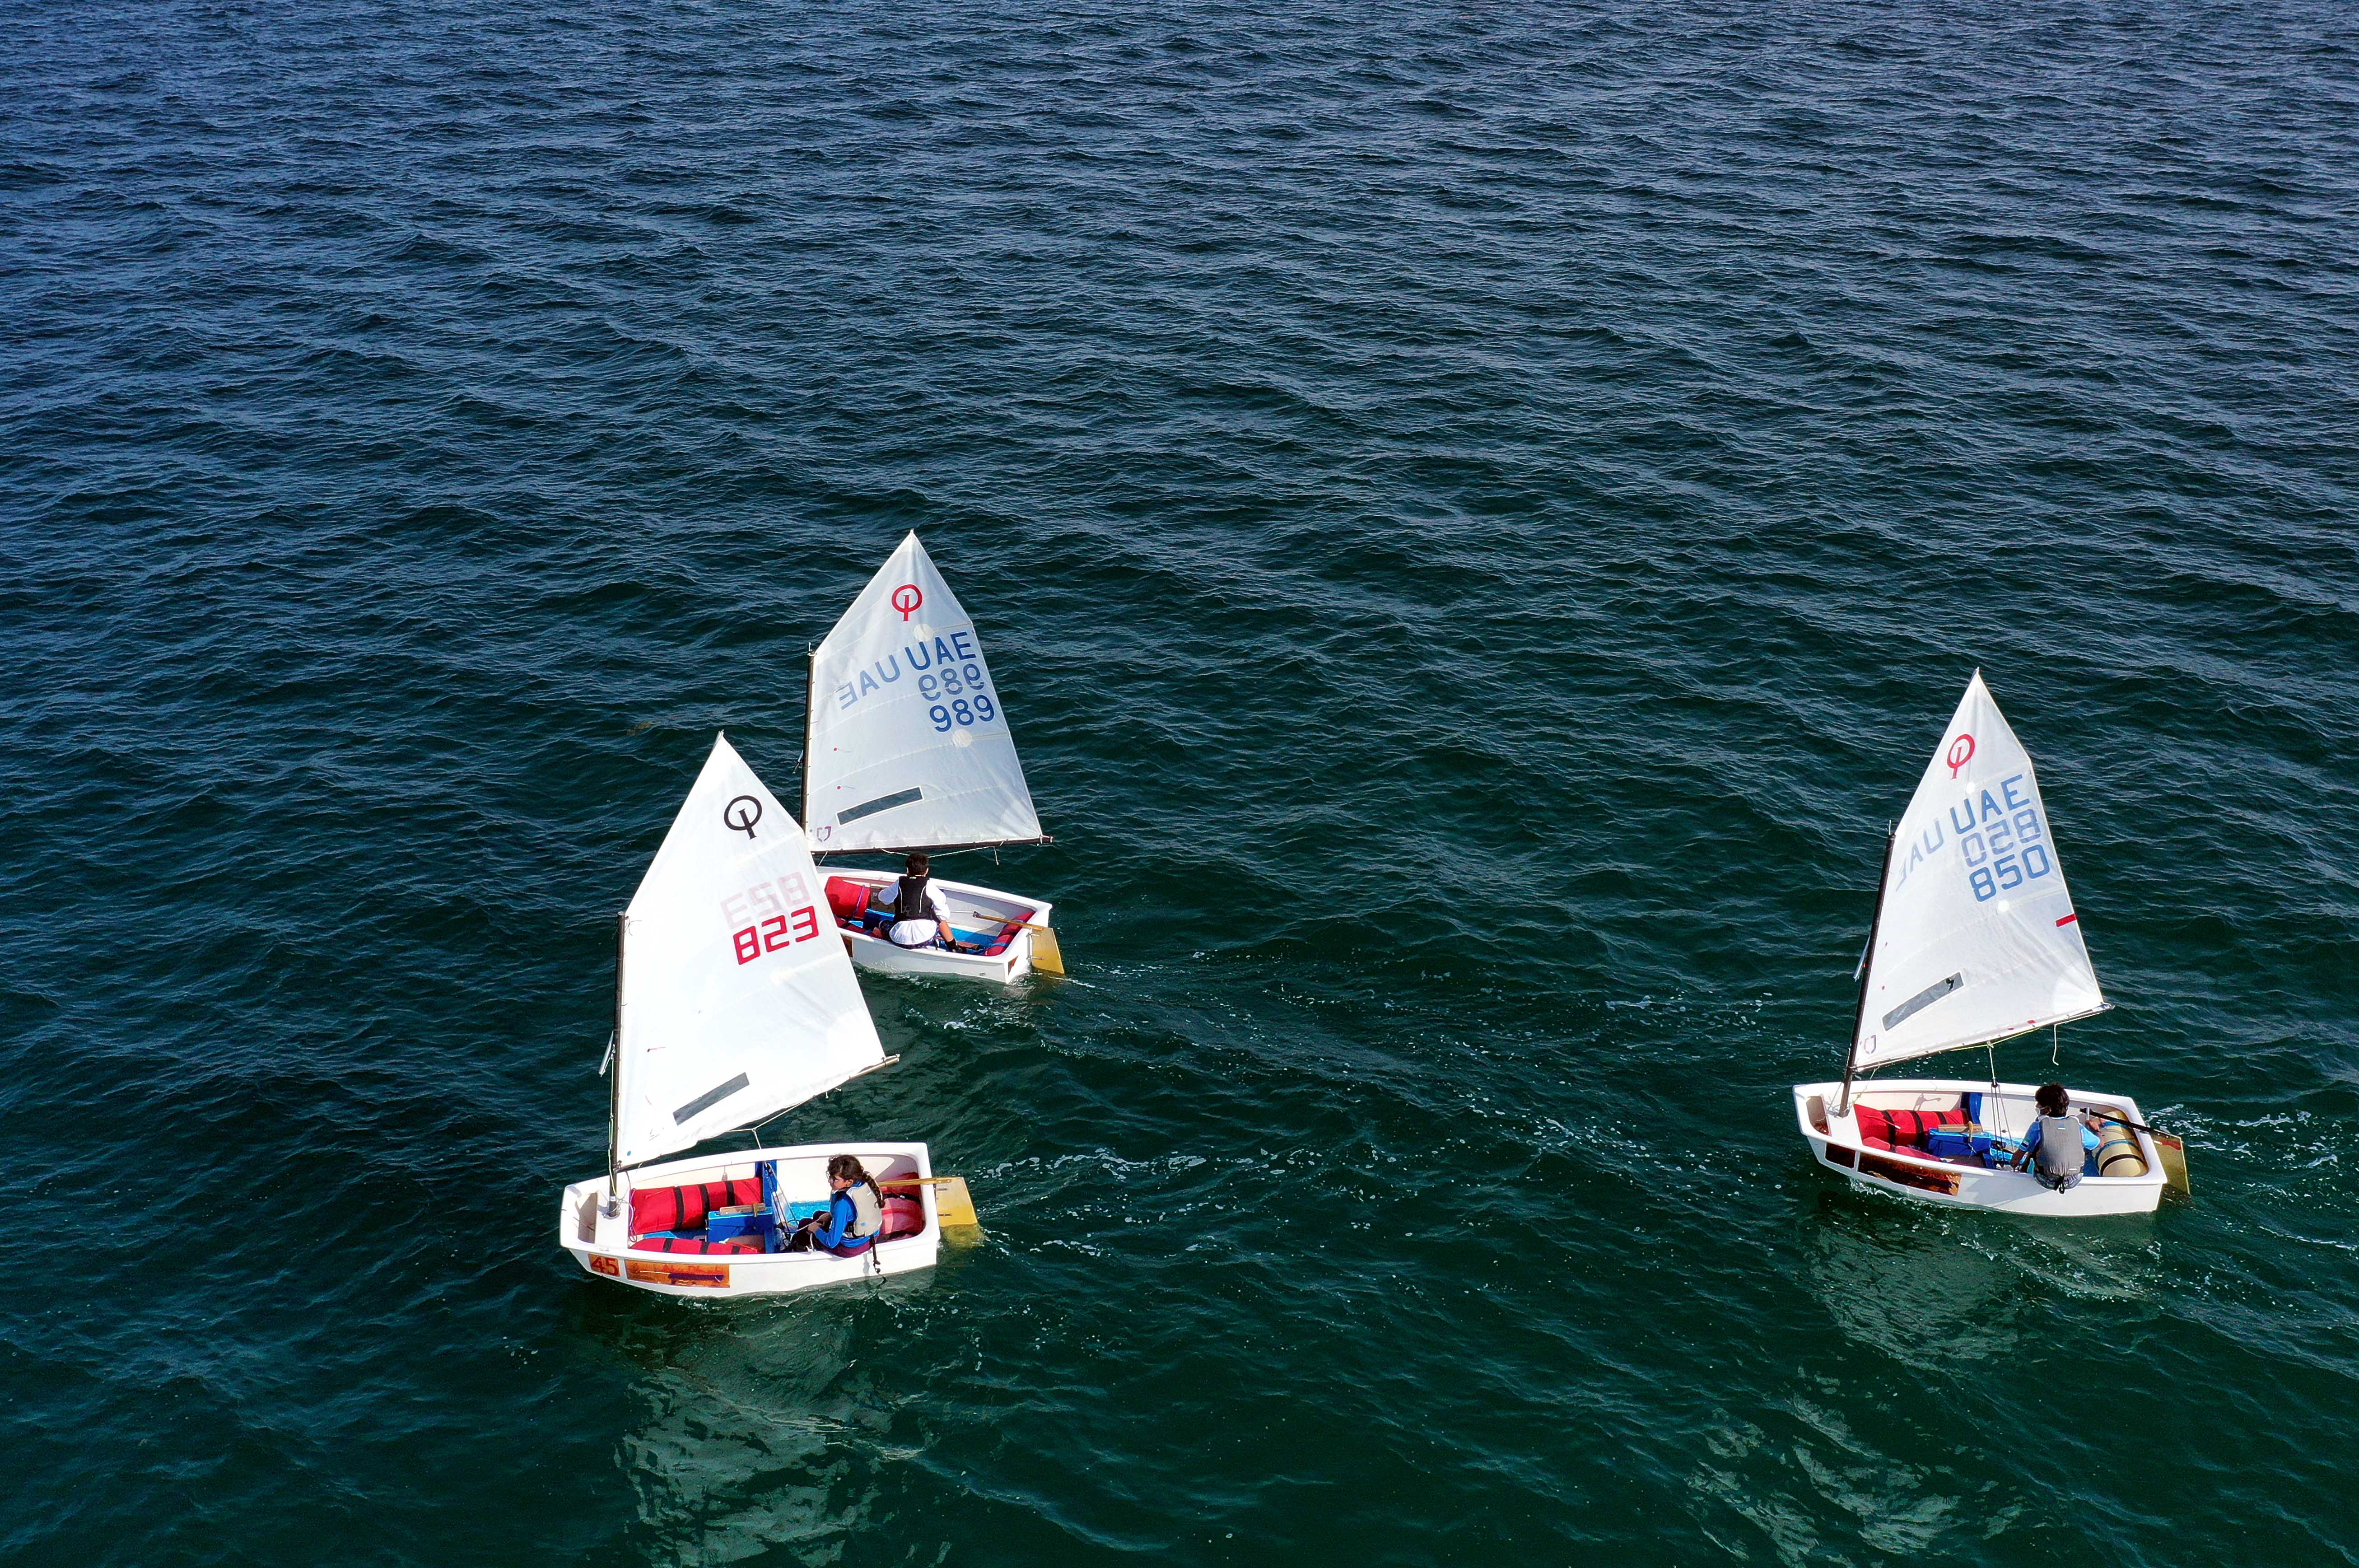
1976,939
736,1000
907,746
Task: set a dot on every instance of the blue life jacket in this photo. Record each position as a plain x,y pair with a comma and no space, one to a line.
844,1234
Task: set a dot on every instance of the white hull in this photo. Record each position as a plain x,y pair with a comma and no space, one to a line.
972,909
601,1243
1835,1142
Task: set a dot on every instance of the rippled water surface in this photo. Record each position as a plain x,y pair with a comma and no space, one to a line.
1479,514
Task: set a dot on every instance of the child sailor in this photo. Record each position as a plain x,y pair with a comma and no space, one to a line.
921,916
2057,1148
854,1214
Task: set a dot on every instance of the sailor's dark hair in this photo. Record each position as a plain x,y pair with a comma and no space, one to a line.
2052,1099
920,862
847,1167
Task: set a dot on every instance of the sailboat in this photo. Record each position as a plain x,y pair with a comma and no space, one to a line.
733,1004
1975,940
906,747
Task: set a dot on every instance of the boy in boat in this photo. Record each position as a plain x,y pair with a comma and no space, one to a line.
855,1214
2056,1156
921,915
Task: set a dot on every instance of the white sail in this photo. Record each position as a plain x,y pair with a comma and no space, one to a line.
1977,938
737,999
909,745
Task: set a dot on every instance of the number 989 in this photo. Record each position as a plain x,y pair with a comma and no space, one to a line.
961,710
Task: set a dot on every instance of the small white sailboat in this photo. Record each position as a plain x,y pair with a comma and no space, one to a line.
731,1003
906,747
1975,939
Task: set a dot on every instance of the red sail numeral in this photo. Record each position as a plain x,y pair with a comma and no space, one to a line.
777,931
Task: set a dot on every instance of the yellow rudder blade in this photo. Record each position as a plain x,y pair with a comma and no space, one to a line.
2174,1161
1047,957
955,1205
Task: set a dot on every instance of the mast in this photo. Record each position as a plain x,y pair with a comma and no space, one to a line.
614,1081
811,713
1867,970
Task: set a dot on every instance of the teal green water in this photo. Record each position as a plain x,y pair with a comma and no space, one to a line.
1479,517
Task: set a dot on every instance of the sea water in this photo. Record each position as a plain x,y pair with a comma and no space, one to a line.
1479,516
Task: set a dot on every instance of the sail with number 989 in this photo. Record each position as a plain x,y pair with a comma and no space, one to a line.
909,745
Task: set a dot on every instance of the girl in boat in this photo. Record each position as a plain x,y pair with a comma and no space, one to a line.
853,1215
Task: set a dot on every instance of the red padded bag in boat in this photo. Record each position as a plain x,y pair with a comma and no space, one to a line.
1910,1127
684,1208
655,1208
1873,1123
848,899
903,1217
697,1244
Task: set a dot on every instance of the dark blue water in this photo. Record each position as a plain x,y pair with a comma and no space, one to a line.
1479,516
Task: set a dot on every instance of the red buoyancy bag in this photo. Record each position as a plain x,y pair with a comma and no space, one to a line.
1910,1127
696,1244
847,899
684,1208
1903,1129
903,1217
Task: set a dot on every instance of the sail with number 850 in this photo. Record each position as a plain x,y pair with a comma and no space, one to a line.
1976,939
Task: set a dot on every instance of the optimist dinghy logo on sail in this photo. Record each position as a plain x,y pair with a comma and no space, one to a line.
907,598
1962,751
741,813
